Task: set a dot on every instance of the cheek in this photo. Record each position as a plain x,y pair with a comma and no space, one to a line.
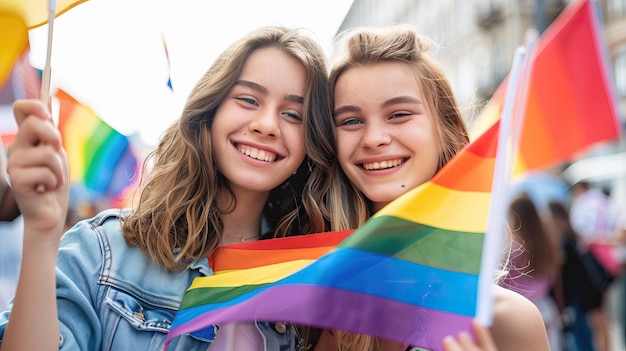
431,139
438,141
343,143
295,142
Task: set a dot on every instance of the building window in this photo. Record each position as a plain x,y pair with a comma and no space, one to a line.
616,8
620,70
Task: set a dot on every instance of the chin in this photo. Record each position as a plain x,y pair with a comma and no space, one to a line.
383,199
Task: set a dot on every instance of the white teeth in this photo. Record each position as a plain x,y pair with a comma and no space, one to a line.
382,165
256,153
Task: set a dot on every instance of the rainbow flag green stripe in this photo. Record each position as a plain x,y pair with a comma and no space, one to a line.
412,251
418,243
356,271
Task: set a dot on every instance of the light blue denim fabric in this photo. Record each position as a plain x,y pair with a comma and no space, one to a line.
113,297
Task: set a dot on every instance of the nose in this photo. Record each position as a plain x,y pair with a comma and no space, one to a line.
375,135
265,122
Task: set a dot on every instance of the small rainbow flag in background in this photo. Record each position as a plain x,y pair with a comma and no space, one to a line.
411,265
411,273
99,156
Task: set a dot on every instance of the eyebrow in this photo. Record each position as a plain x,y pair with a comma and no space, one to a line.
344,109
263,90
390,102
402,100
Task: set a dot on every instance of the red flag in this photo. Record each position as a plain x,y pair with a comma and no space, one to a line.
569,101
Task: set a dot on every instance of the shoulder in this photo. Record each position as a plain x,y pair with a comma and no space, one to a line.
110,217
85,249
88,235
517,323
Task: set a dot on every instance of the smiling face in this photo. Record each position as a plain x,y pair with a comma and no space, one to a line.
387,139
257,133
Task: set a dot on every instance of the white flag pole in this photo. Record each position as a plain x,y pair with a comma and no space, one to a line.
44,96
45,81
492,243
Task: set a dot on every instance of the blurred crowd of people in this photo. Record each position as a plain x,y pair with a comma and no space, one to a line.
567,256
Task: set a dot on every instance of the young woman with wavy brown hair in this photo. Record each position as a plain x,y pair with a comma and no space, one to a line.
243,161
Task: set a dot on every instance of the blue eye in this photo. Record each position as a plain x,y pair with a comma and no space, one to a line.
399,115
293,115
350,121
248,100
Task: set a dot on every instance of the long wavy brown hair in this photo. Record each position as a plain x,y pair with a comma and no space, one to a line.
540,245
401,43
176,219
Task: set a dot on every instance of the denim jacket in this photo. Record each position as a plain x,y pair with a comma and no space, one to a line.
113,297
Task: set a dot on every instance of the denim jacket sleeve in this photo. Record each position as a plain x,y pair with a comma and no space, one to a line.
111,296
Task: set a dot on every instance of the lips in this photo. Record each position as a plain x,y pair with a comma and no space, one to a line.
257,154
374,166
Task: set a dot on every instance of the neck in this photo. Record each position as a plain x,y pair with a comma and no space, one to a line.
237,231
244,222
377,206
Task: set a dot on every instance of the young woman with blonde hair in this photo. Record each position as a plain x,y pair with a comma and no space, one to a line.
397,123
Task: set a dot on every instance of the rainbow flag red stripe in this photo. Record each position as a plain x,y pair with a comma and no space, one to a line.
569,102
99,156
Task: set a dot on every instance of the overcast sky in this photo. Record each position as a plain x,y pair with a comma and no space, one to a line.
109,53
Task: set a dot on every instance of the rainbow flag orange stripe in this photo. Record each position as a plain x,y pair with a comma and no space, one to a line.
259,253
99,156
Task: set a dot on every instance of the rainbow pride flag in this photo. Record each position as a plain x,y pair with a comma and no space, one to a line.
411,265
569,104
411,273
99,156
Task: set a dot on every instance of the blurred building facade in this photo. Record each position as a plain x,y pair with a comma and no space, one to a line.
476,41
